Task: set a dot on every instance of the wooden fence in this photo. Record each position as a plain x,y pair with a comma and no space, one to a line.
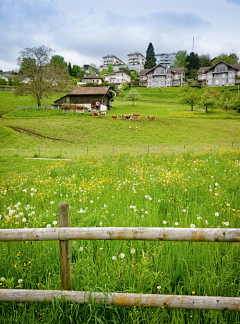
65,233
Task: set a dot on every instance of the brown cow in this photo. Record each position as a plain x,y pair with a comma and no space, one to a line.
136,115
151,117
126,116
103,113
114,117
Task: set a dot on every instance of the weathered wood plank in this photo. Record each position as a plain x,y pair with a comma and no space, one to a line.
123,299
64,247
122,233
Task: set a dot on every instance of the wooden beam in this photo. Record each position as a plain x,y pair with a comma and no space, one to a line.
122,233
122,299
64,247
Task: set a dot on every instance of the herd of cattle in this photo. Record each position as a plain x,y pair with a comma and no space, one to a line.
127,117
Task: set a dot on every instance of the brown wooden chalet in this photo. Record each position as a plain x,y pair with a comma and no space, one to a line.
90,98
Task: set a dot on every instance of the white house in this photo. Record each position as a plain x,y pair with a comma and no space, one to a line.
117,77
92,78
220,74
161,76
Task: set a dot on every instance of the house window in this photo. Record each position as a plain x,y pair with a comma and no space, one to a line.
92,81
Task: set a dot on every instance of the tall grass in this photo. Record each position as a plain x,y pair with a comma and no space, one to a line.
124,190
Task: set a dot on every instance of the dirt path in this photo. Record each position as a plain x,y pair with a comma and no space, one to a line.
33,133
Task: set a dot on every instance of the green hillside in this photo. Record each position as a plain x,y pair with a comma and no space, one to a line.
28,132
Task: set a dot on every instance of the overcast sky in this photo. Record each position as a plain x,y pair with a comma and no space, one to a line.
84,31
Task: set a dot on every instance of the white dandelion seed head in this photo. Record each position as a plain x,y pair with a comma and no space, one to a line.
216,214
184,210
48,225
54,222
133,250
114,258
122,255
176,223
2,279
164,222
192,225
20,281
81,248
24,220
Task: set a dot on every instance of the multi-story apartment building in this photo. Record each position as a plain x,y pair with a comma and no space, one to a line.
135,61
117,77
161,76
166,59
220,74
113,60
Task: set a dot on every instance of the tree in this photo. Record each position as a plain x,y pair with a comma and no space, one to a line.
226,100
41,77
93,69
180,59
205,60
133,95
150,57
77,72
193,64
189,96
58,59
233,58
229,59
135,78
209,98
69,68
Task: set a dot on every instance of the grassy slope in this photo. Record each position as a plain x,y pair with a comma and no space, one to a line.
174,127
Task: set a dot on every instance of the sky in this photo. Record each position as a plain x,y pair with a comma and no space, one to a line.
85,31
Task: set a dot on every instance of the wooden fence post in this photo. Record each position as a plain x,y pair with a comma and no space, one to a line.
64,246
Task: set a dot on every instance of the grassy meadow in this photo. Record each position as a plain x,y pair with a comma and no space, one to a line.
51,133
183,190
172,186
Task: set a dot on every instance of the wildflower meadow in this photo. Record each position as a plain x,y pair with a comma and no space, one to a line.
185,190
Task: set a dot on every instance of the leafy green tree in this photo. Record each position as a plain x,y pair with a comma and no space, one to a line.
189,96
93,69
234,58
125,69
150,57
40,78
77,72
3,81
180,59
226,100
133,95
135,78
58,59
205,60
209,98
223,57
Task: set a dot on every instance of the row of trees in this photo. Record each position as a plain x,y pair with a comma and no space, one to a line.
208,99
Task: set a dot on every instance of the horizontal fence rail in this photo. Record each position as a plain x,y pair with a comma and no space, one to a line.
122,299
122,233
64,234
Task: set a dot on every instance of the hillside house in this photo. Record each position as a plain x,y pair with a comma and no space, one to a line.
92,78
89,98
161,76
117,77
136,61
220,74
143,77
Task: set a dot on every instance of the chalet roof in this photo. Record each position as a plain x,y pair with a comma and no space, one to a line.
150,70
89,91
203,69
91,76
177,69
236,66
144,71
